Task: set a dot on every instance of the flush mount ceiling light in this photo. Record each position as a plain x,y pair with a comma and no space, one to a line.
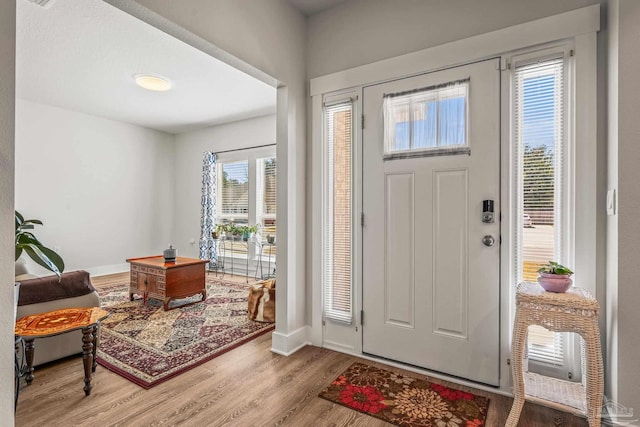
151,82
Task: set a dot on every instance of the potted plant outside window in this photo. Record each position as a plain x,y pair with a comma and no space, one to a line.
249,231
554,277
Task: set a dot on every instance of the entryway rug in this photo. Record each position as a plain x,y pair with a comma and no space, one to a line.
405,401
147,345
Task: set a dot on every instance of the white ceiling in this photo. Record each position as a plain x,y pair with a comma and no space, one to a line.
310,7
82,55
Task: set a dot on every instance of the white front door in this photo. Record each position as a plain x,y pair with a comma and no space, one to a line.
430,278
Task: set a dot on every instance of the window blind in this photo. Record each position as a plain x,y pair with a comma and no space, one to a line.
234,194
266,200
539,112
337,253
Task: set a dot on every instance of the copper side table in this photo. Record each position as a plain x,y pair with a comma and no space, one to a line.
573,311
59,322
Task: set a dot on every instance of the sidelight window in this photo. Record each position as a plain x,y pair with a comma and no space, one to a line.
539,112
337,216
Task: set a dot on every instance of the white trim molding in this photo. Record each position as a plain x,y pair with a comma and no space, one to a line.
545,30
578,28
103,270
286,345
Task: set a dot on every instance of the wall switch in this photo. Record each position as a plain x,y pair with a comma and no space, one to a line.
611,202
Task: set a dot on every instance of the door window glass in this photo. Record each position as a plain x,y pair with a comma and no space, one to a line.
426,121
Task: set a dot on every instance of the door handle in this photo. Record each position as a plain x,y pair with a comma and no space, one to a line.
488,240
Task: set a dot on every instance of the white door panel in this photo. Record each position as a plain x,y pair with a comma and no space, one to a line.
430,285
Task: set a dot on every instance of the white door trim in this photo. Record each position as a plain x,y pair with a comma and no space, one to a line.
495,43
580,26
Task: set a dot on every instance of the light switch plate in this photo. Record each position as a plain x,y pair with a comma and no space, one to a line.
611,202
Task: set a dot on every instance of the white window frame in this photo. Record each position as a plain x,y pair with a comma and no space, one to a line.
581,167
571,366
251,155
340,99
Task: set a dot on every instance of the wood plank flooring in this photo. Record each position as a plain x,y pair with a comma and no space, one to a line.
248,386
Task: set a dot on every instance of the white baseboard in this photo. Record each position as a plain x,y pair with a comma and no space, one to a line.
287,344
103,270
615,414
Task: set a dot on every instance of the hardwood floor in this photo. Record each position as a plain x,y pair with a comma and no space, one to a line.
248,386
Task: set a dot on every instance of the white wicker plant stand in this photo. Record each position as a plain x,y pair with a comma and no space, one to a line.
573,311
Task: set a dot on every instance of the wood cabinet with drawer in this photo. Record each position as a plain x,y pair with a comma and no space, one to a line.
152,277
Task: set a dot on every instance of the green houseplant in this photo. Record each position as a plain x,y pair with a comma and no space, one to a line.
248,231
554,277
27,242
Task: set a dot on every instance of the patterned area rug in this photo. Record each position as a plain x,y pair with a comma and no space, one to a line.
404,400
148,345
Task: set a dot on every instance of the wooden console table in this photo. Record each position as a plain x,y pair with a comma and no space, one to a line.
152,277
59,322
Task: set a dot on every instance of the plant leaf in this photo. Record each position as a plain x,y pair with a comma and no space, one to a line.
26,237
39,257
53,257
19,218
32,221
18,252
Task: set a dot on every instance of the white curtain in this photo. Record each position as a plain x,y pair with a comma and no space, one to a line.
208,248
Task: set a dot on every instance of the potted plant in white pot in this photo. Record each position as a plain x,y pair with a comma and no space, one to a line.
26,242
554,277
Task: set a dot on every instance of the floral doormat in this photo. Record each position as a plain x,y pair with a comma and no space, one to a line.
404,400
147,345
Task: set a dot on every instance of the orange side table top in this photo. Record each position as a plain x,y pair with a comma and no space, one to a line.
58,322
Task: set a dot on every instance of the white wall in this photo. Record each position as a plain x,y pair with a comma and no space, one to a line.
104,189
359,32
268,36
188,170
7,104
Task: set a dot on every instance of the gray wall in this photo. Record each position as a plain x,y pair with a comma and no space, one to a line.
629,205
122,202
360,32
611,34
7,108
